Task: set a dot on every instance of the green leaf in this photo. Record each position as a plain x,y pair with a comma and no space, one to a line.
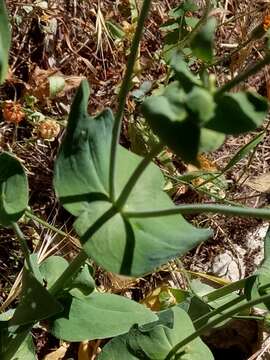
183,74
167,119
83,284
13,189
210,140
154,341
99,316
127,246
36,303
82,167
238,112
260,284
5,40
26,350
53,267
200,104
202,43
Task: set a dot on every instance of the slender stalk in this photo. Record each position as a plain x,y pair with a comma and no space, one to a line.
218,310
215,322
253,69
124,91
44,223
136,175
204,208
23,245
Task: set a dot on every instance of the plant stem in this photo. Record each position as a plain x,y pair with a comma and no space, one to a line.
23,245
253,69
34,217
204,208
214,322
204,318
136,175
124,92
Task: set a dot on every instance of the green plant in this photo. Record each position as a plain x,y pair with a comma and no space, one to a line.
126,223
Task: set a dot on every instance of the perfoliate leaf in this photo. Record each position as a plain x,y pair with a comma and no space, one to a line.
36,303
154,341
99,316
237,113
202,43
13,189
183,74
52,268
5,40
210,140
119,244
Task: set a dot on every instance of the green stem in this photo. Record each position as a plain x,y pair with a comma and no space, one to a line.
251,70
44,223
215,322
204,318
204,208
124,91
136,175
23,245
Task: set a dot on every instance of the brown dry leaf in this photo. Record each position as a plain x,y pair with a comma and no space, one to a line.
153,300
260,183
83,351
59,353
39,85
88,350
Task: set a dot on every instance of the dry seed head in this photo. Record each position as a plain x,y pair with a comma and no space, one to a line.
12,112
48,129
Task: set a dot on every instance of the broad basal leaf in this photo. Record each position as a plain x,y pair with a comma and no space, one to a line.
25,351
36,303
5,39
154,341
99,316
119,244
13,189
